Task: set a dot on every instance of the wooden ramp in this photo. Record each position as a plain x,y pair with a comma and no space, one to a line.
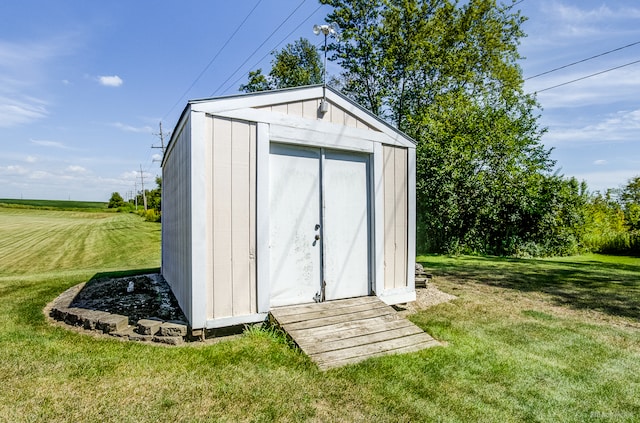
335,333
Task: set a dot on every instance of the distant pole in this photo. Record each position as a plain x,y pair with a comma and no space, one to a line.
144,196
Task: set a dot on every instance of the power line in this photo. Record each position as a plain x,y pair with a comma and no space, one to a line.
259,47
214,58
583,60
277,45
588,76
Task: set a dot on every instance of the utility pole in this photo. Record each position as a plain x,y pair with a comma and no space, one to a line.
135,194
161,146
144,195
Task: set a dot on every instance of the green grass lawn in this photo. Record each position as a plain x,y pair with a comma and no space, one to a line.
53,204
526,340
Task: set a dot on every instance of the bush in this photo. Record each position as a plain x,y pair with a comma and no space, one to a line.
150,215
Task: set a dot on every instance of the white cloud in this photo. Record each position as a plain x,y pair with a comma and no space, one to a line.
31,159
136,129
611,87
24,66
76,169
47,143
16,111
110,81
600,162
574,21
619,127
13,170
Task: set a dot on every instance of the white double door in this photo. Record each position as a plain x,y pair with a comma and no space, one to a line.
318,224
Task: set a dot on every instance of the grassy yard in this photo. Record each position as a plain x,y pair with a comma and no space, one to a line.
526,340
53,204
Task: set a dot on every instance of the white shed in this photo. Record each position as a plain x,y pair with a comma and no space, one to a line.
268,201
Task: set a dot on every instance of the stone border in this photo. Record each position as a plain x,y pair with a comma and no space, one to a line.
146,330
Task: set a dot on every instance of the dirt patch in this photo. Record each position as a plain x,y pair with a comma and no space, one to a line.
138,297
425,297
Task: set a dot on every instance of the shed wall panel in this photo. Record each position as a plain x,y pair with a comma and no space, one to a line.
233,193
176,219
221,205
309,109
395,179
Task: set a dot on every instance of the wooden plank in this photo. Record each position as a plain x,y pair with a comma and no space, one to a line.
349,329
352,360
222,219
240,220
341,332
373,348
312,307
295,108
340,318
328,312
365,338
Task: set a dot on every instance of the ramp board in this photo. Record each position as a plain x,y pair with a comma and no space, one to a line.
340,332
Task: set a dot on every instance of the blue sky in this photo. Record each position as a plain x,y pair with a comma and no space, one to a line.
83,84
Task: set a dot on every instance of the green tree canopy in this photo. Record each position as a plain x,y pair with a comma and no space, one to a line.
446,73
115,201
297,64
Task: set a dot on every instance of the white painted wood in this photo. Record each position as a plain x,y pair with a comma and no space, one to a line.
313,138
176,225
378,217
399,195
240,220
346,224
199,206
254,100
253,299
221,198
262,218
294,209
389,211
236,320
398,295
301,123
292,120
411,219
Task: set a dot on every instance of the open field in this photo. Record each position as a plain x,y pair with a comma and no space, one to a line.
526,340
53,204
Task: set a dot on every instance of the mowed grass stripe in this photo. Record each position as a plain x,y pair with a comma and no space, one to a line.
37,242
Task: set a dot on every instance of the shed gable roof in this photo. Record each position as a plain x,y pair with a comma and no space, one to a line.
299,103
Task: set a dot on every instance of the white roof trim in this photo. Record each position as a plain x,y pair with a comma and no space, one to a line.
217,106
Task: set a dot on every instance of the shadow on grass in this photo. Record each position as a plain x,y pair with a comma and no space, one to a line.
610,288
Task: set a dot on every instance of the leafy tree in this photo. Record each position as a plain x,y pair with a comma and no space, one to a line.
116,201
446,73
295,65
630,199
257,81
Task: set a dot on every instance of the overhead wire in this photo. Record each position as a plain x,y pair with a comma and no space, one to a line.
195,81
257,49
277,45
583,60
588,76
